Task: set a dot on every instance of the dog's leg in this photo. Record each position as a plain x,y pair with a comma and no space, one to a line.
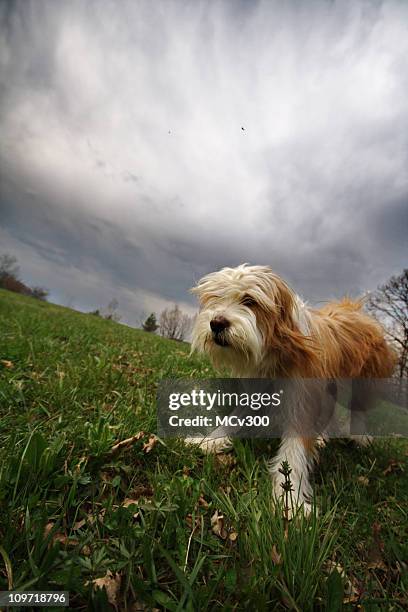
211,445
299,453
361,401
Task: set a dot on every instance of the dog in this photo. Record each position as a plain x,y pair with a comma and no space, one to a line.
255,325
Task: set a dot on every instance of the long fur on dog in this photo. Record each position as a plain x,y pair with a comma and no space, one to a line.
251,321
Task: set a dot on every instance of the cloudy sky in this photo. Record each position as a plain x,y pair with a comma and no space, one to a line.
144,144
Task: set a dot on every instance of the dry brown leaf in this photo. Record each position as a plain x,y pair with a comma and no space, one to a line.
376,562
189,521
276,557
232,536
227,460
393,466
65,540
125,443
363,480
217,525
78,525
148,446
111,582
58,536
331,566
375,552
48,528
203,502
351,592
129,502
142,491
138,606
7,363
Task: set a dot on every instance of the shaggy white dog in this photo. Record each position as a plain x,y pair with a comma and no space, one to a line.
251,321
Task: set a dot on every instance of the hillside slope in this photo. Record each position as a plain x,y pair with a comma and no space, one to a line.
162,526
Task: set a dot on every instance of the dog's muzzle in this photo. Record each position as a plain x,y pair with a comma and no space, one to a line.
219,325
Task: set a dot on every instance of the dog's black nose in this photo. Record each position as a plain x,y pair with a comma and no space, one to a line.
218,324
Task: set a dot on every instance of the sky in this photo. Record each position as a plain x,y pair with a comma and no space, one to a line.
144,144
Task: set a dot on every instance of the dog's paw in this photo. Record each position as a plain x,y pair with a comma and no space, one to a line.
211,445
321,441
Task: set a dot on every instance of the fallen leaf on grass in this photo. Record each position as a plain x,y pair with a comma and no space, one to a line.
7,363
331,566
228,460
232,536
217,525
375,552
363,480
189,521
203,502
48,528
148,446
393,466
125,443
64,540
131,502
78,525
139,606
276,557
58,536
351,592
142,490
218,528
111,583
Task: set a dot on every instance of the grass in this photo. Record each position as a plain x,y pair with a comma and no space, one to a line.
156,524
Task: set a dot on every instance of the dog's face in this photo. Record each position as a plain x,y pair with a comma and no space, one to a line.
244,311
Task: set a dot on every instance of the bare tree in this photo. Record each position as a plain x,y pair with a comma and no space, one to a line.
9,282
389,303
10,275
112,311
10,279
9,266
174,323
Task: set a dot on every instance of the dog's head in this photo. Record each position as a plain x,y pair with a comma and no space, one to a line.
245,313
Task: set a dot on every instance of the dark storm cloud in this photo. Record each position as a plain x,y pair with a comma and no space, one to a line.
145,144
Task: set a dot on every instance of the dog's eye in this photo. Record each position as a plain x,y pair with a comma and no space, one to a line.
247,300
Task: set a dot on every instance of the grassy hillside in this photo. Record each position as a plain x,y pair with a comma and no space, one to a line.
155,522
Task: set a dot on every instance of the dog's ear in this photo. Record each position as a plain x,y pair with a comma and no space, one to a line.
280,298
286,302
295,349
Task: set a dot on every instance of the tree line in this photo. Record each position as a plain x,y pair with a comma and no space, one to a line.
10,279
173,322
